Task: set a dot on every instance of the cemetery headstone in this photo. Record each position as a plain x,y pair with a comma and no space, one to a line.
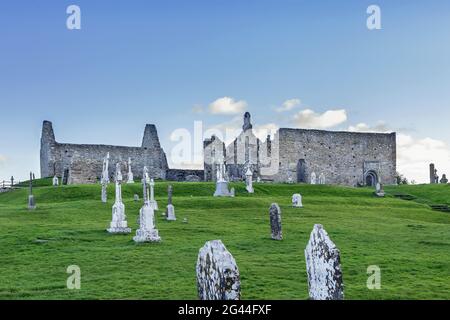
313,178
105,178
275,222
323,265
170,210
217,273
119,219
297,200
147,231
249,181
130,173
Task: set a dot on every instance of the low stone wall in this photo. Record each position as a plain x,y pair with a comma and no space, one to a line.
181,174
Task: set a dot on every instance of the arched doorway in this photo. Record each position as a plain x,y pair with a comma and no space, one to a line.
371,178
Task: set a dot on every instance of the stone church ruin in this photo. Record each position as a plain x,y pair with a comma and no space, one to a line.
290,155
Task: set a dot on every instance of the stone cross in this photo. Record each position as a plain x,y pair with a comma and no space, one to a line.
323,265
105,178
169,194
313,178
31,202
130,173
297,200
217,273
119,219
275,222
170,210
322,178
153,202
147,231
249,181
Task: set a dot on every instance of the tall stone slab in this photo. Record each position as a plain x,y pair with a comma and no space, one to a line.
31,201
323,265
313,178
217,273
130,176
275,222
119,219
105,178
249,181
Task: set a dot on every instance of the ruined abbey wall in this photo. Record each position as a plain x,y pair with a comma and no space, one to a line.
342,157
63,158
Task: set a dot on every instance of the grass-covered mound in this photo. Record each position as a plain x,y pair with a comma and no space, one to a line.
406,239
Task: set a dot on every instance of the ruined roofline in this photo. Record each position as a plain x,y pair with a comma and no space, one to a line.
337,131
150,139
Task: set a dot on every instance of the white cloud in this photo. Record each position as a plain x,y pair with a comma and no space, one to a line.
227,105
415,155
288,105
309,119
262,131
364,127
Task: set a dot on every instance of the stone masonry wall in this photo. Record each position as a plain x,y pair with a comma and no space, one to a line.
340,156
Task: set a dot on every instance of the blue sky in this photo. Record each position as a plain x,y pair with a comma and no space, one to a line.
137,62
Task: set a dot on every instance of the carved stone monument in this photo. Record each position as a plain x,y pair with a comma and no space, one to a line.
323,265
130,173
297,200
221,183
217,273
119,219
147,231
105,178
275,222
31,201
153,202
313,178
170,210
249,181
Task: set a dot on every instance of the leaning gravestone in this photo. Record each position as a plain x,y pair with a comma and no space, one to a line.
217,273
297,200
323,265
275,222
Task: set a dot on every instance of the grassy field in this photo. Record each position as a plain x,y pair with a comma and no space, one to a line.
406,239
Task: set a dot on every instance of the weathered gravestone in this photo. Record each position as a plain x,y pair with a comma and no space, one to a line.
322,178
249,181
379,192
136,197
105,178
31,202
444,179
170,210
323,265
152,200
147,231
297,200
130,173
275,222
55,181
217,273
313,178
119,219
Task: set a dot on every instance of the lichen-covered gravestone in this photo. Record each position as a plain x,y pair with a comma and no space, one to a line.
323,265
275,221
217,273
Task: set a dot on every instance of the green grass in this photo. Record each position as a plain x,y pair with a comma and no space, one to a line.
406,239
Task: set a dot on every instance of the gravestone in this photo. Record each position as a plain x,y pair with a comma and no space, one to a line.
147,231
297,200
232,192
153,202
444,179
217,273
130,173
323,265
221,183
105,178
275,222
136,197
170,210
322,178
55,181
119,219
379,192
313,178
31,201
249,181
